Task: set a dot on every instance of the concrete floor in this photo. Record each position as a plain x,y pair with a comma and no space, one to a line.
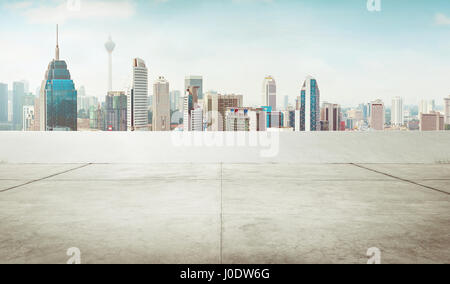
230,213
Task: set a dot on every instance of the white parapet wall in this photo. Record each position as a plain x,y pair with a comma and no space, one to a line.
226,147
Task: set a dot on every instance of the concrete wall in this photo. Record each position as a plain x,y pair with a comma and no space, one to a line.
270,147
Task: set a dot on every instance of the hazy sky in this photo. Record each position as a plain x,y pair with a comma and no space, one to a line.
356,55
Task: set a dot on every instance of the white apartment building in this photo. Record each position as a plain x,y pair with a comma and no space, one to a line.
138,97
196,119
398,118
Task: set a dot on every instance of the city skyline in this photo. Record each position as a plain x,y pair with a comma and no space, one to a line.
293,52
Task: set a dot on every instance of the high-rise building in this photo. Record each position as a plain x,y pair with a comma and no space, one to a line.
377,115
196,119
28,118
36,123
29,99
116,111
58,99
330,115
364,108
309,105
286,102
275,119
194,81
431,106
423,106
110,45
297,120
81,91
161,105
18,98
96,118
3,103
427,106
286,118
398,118
190,104
433,121
175,100
215,107
269,93
10,109
246,119
138,97
447,110
26,86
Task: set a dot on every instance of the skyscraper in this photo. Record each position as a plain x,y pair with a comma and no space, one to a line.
3,102
175,100
58,99
110,45
18,98
196,119
377,114
423,106
36,126
447,110
330,115
286,102
398,118
116,111
161,105
269,93
26,86
216,106
190,109
138,97
194,81
426,106
28,118
309,105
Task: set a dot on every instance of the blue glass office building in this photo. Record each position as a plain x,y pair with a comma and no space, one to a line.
310,106
58,98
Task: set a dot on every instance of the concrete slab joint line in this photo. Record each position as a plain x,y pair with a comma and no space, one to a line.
401,179
44,178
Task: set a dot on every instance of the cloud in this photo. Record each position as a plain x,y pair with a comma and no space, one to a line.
442,20
18,5
64,10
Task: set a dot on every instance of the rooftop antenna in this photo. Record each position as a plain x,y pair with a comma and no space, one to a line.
57,44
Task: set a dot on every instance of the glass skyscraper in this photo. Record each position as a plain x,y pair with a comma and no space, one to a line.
58,98
309,105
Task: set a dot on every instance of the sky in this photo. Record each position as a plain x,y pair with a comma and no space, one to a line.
355,54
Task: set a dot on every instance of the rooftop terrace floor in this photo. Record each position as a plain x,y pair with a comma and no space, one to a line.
225,213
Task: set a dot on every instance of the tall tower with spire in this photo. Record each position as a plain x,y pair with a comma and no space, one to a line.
57,44
110,45
58,99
